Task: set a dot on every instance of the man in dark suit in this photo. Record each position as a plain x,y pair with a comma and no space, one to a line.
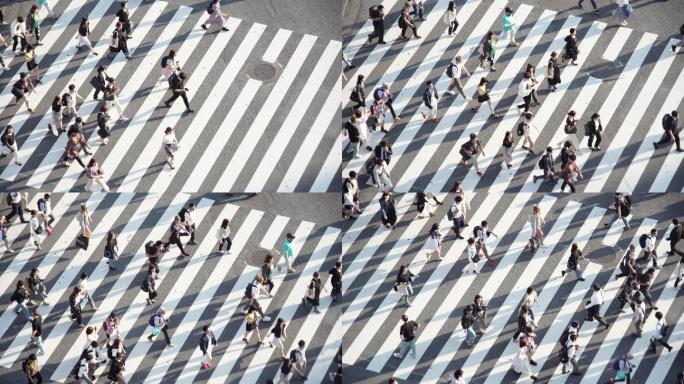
675,236
670,133
595,129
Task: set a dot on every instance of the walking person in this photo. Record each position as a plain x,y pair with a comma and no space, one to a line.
36,233
433,245
111,100
467,321
423,205
594,306
83,36
524,321
95,174
569,173
36,338
474,256
160,324
407,332
660,333
571,347
46,4
525,128
525,89
179,90
470,151
403,284
57,117
18,33
454,71
352,131
170,146
623,207
521,364
223,237
45,210
70,98
149,285
103,128
169,66
377,112
216,17
450,17
570,130
75,299
649,244
482,234
639,317
676,234
382,175
358,94
383,93
510,27
406,21
177,230
377,16
623,11
531,69
9,145
536,223
593,128
73,149
671,133
566,151
593,4
571,50
3,235
17,201
279,336
456,213
553,72
507,149
32,63
30,368
36,286
251,324
531,299
546,164
336,281
298,359
483,96
116,368
207,343
313,292
645,282
480,311
124,18
388,210
4,44
623,367
22,298
288,252
186,217
430,100
21,88
110,326
251,294
573,263
83,284
627,264
488,51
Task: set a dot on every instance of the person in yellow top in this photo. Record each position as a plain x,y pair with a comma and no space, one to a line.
30,368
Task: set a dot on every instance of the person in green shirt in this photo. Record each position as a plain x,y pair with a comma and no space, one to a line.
510,26
288,252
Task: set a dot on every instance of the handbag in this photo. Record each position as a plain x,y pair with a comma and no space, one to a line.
156,331
82,242
38,230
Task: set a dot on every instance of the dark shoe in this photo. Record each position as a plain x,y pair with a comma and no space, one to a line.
582,279
674,47
189,110
204,27
580,5
224,29
167,104
677,281
655,145
532,362
563,273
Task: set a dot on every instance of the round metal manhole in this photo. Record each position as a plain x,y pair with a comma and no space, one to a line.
609,70
256,258
605,256
264,71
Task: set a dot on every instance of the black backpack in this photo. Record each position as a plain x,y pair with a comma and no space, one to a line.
210,10
41,205
163,61
666,121
377,94
542,162
151,320
286,368
248,290
563,354
521,128
450,214
65,99
293,356
173,81
476,230
642,240
450,71
182,213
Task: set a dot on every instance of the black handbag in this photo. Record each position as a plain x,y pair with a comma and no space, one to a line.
82,242
17,93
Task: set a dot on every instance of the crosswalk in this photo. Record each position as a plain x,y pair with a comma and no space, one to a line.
631,78
372,254
265,101
204,289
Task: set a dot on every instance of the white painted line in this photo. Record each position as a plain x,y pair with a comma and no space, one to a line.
328,117
42,172
330,169
295,116
10,275
287,311
261,121
618,92
220,139
122,284
610,293
512,115
620,38
277,44
53,72
663,365
614,232
417,79
361,37
234,299
504,266
62,282
141,348
616,147
640,161
236,345
550,289
195,81
359,225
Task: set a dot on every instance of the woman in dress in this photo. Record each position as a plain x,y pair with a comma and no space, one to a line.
103,129
382,176
171,65
170,146
521,361
434,243
216,17
388,211
483,96
553,72
422,201
32,62
95,174
536,222
56,127
533,95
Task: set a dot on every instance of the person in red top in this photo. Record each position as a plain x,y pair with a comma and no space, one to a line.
73,149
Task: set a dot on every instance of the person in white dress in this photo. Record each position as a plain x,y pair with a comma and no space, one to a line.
170,146
36,233
433,245
521,362
382,175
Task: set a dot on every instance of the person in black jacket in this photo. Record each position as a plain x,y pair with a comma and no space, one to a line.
547,162
150,284
179,90
383,151
675,236
671,133
523,321
124,19
21,297
336,281
352,131
571,49
553,72
594,129
206,343
75,305
377,15
116,367
99,82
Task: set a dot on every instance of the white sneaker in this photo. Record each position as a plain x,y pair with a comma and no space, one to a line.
267,318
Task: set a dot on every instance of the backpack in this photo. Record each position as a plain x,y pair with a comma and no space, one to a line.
521,128
616,364
210,10
286,367
143,286
163,61
476,257
642,240
626,206
149,248
41,205
293,355
115,39
450,214
106,327
24,365
151,320
182,213
542,162
476,230
248,290
666,121
450,71
354,96
377,94
173,81
65,99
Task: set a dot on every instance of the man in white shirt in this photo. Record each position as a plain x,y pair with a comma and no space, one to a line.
456,67
525,91
594,306
482,233
457,377
649,249
300,359
189,222
17,203
457,216
572,346
45,209
18,33
660,331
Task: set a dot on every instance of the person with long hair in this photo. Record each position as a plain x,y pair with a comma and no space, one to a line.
252,325
403,284
111,250
483,96
279,336
223,236
388,211
536,223
83,36
216,17
95,174
573,263
450,17
507,146
3,234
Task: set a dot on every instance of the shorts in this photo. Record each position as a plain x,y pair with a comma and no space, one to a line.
277,343
483,98
250,327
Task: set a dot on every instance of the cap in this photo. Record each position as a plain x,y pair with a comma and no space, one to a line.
290,236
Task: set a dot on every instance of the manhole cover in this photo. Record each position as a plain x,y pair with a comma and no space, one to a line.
256,258
264,71
607,70
605,256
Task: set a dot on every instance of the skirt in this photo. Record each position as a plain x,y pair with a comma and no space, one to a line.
83,41
250,327
483,98
216,19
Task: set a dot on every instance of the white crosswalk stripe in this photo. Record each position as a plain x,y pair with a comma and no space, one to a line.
289,111
369,325
190,302
426,155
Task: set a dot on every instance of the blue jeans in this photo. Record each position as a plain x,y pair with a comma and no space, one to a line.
418,11
577,270
23,308
470,336
624,219
405,346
